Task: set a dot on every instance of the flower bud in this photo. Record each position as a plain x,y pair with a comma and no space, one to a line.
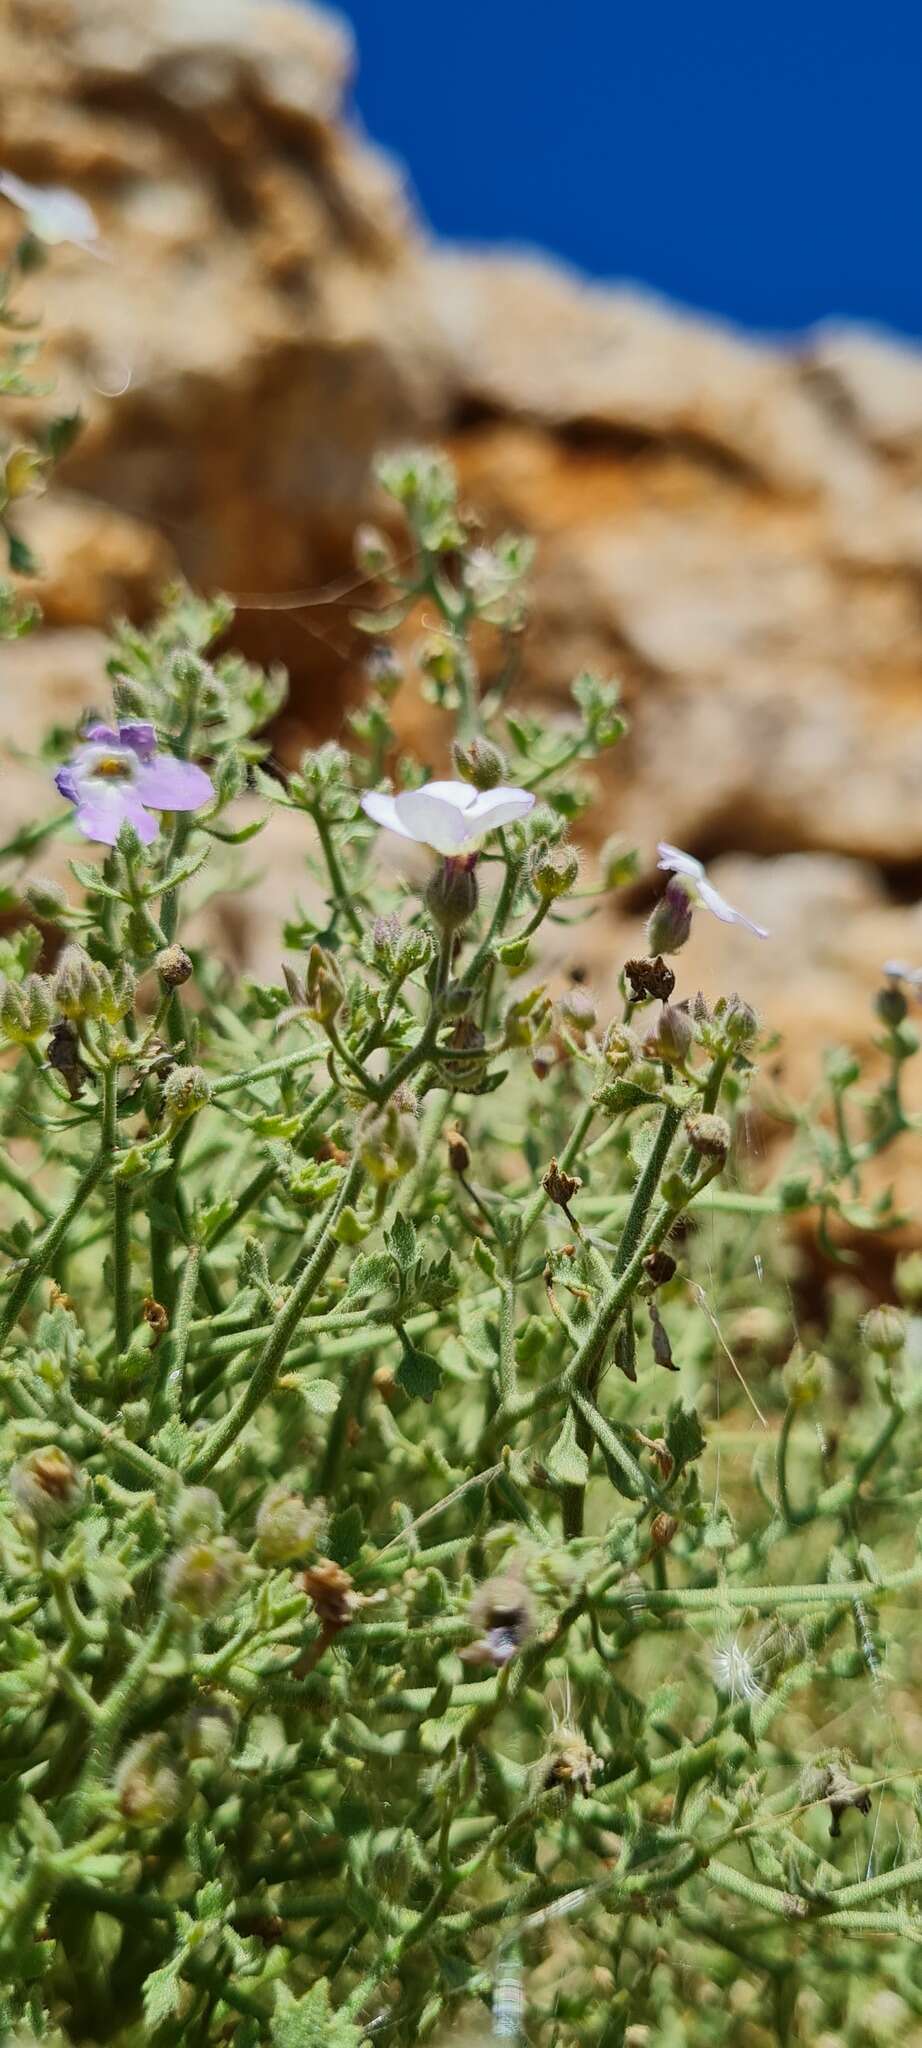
451,898
479,763
553,871
884,1330
46,898
908,1278
738,1022
186,1091
201,1576
670,921
620,1047
384,671
708,1135
147,1789
173,966
74,986
373,552
662,1530
670,1036
47,1485
577,1008
114,995
25,1009
805,1379
388,1138
196,1511
323,985
459,1151
209,1731
287,1526
891,1006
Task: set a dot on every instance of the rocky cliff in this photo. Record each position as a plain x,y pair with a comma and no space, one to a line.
735,529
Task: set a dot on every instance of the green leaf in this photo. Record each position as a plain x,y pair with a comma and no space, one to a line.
321,1396
684,1435
161,1993
369,1274
566,1461
419,1375
346,1531
401,1241
311,2022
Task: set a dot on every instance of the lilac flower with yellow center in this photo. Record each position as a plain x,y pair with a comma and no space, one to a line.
117,778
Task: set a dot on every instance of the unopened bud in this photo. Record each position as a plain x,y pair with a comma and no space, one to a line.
186,1091
451,898
201,1576
891,1006
621,1048
553,870
25,1009
47,1485
146,1787
708,1135
739,1023
373,552
388,1139
479,763
805,1378
323,985
46,898
670,1036
74,986
459,1151
577,1008
670,921
884,1330
209,1731
908,1278
287,1526
197,1511
173,966
662,1530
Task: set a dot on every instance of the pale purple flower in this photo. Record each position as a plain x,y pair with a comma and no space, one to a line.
448,816
897,971
117,778
53,213
675,862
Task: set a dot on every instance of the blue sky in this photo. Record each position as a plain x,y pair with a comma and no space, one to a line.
757,158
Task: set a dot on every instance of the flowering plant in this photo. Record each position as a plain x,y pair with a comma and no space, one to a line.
392,1638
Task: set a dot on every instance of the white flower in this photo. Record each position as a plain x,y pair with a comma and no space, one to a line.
897,970
451,817
675,862
53,213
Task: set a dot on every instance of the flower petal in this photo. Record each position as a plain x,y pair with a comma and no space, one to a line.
461,794
434,821
679,863
383,810
103,811
719,907
168,784
494,807
141,738
66,782
102,735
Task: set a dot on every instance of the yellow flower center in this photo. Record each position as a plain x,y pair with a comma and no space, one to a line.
113,768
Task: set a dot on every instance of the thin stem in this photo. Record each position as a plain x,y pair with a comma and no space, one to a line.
121,1215
51,1243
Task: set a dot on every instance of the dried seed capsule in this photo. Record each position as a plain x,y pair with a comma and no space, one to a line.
173,966
146,1787
662,1530
559,1186
459,1151
287,1526
47,1485
708,1135
331,1592
200,1577
649,980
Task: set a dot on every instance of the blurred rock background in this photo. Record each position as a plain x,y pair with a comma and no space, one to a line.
733,529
